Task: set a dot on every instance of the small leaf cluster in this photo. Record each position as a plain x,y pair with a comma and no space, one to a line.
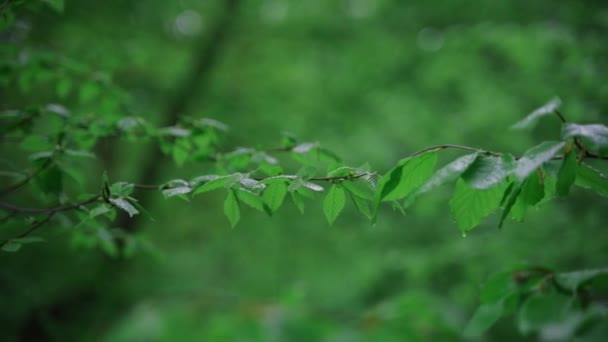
550,304
487,181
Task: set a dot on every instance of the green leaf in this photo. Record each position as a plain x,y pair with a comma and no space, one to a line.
360,188
123,204
532,192
535,157
574,280
334,203
231,208
278,179
542,310
252,200
89,90
469,206
11,246
57,5
589,178
176,191
274,194
567,174
121,189
63,87
531,119
180,154
299,183
446,174
594,137
488,171
406,177
214,182
484,317
100,210
80,154
51,180
28,239
35,143
342,171
512,198
498,287
362,205
298,200
252,184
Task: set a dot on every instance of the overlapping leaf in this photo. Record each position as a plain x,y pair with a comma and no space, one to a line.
469,206
594,137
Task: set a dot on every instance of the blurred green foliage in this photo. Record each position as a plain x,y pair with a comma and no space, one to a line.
372,80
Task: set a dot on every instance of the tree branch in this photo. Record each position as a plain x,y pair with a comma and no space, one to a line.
27,179
25,210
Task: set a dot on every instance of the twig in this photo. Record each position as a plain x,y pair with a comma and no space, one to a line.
24,210
27,179
33,228
455,147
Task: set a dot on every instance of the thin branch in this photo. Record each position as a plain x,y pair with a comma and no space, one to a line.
24,210
455,147
32,229
560,116
23,182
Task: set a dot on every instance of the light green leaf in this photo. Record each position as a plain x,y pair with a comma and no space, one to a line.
362,205
35,143
532,192
514,191
278,179
446,174
252,184
28,239
57,5
215,182
252,200
11,246
121,189
89,90
180,154
409,174
80,154
231,208
469,206
488,171
274,194
594,137
100,210
531,119
359,188
63,87
180,190
334,203
342,171
484,317
123,204
498,287
298,200
305,147
590,178
541,310
535,157
567,174
573,280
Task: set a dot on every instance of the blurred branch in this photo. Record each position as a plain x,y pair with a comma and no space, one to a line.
27,179
196,79
25,210
32,229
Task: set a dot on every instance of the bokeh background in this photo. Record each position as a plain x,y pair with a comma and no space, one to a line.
372,80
